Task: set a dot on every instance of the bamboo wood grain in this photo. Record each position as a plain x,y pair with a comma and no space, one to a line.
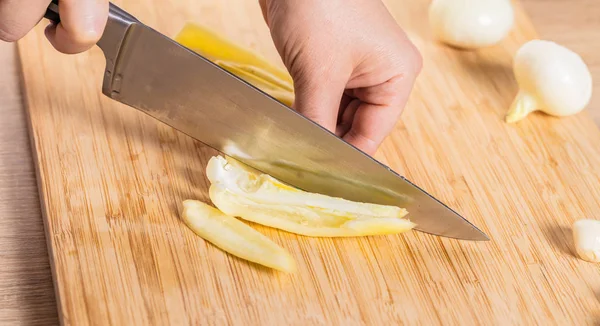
112,180
26,291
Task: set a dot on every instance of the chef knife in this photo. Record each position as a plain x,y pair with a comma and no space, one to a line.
154,74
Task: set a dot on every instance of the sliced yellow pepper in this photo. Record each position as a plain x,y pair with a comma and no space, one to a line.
241,191
282,94
241,62
257,72
235,237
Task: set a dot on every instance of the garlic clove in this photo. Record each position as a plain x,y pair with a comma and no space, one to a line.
471,24
551,79
523,104
586,235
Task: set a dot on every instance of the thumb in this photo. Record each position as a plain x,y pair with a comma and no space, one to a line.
318,98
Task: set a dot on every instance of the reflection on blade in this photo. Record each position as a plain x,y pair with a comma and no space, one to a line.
188,92
376,194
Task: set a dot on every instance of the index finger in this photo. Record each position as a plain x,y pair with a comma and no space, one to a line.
378,112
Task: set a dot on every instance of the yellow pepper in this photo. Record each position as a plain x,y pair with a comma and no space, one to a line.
235,237
240,191
241,62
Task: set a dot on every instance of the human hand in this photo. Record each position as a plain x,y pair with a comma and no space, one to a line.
352,65
82,22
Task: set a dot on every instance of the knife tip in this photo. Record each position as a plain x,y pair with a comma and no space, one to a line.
480,236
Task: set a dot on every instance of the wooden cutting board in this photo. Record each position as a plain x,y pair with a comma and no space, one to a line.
112,180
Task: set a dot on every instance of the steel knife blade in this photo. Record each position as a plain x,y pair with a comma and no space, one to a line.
154,74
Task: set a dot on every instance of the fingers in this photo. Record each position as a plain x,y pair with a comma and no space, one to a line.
371,124
346,117
17,17
82,24
379,110
319,99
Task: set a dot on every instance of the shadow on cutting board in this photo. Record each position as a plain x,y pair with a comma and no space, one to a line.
495,75
560,237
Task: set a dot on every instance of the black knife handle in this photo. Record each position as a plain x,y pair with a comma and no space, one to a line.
52,12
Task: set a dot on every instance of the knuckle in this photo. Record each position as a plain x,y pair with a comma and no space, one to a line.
415,58
418,62
391,91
